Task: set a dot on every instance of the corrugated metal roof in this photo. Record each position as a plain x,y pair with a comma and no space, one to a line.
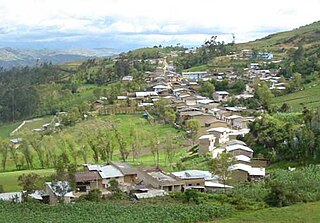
109,172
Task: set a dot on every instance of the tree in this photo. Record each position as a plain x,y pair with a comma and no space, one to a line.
27,153
264,95
154,147
122,145
72,147
34,140
135,142
221,166
14,154
4,153
106,144
30,183
194,126
94,146
207,89
171,146
238,87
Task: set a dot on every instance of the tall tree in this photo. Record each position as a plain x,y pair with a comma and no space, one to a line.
264,95
194,126
154,147
221,166
30,183
124,153
4,152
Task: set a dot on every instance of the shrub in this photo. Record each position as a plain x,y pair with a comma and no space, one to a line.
94,195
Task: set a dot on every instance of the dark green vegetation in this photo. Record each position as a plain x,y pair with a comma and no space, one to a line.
287,137
98,212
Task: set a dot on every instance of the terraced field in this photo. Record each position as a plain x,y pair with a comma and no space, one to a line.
309,97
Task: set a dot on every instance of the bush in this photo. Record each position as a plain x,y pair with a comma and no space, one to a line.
94,195
290,187
191,196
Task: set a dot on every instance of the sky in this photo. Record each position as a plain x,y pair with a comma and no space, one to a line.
129,24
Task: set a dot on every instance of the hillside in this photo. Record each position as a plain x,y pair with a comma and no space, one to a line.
308,97
10,57
307,36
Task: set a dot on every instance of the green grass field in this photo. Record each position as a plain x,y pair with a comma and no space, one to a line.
300,213
309,97
197,68
9,180
34,124
6,129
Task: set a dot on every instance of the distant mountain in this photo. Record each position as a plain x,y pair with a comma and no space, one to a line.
10,57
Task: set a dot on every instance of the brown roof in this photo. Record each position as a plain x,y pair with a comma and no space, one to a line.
87,176
125,168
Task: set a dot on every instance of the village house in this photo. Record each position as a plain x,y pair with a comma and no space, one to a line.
206,144
220,96
130,174
160,180
239,149
106,173
193,179
242,172
98,177
221,134
235,121
194,75
87,181
59,191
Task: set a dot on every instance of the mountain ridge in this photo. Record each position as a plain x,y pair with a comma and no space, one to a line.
10,57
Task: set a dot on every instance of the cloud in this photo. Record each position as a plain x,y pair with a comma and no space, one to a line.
131,23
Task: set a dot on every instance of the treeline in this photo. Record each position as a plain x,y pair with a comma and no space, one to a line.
27,92
19,97
93,141
204,54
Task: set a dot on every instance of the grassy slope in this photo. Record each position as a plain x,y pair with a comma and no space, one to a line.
124,123
6,129
9,180
309,97
37,123
305,35
300,213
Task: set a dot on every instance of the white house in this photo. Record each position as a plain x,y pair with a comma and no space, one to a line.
221,134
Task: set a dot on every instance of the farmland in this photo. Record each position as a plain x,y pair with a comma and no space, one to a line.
99,212
308,97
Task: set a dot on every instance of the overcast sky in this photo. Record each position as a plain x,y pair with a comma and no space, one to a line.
127,24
